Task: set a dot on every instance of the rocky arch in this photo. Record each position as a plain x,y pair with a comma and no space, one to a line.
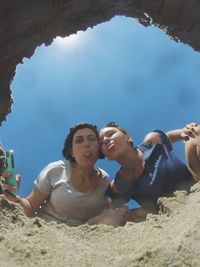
28,24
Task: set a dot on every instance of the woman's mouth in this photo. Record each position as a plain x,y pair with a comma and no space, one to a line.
88,155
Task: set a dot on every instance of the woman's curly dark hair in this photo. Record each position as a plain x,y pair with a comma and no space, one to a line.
67,150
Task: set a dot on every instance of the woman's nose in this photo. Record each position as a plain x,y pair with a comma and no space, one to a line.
86,143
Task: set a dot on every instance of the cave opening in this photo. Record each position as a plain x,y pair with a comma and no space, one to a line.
118,71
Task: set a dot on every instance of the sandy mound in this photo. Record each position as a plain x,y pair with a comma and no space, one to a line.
170,239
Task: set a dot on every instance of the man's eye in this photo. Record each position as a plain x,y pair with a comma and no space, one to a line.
109,134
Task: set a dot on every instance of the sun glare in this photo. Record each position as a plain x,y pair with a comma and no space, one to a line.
71,41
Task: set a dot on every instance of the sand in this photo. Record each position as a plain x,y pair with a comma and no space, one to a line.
171,238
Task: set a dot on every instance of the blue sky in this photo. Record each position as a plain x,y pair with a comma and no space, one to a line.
117,71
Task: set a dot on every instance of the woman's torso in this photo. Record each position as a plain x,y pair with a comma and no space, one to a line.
65,203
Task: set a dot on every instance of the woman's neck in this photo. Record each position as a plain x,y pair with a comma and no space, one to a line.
81,172
84,179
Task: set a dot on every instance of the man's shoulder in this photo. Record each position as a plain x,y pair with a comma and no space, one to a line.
153,138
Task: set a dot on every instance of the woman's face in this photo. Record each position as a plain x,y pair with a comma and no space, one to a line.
113,143
85,147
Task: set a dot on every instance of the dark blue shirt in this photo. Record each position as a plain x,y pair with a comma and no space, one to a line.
163,174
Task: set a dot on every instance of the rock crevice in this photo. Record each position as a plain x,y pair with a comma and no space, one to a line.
25,25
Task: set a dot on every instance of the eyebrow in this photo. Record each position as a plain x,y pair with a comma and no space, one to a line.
88,135
108,131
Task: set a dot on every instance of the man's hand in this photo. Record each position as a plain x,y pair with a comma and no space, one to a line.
189,131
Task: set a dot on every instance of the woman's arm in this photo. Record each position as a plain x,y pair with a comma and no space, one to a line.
110,215
114,217
31,203
137,215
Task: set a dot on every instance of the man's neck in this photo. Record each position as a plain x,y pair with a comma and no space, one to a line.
132,165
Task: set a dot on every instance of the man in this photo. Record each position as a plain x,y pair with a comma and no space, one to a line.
150,170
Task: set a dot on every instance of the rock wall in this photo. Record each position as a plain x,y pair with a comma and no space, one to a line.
26,24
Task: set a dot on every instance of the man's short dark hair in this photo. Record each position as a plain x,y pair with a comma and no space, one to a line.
113,124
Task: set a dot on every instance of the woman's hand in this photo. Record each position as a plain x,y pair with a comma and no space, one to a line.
137,215
6,188
114,217
3,163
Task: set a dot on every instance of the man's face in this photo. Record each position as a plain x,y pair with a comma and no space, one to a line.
113,143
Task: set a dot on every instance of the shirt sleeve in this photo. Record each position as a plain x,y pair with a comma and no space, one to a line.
165,139
43,181
105,176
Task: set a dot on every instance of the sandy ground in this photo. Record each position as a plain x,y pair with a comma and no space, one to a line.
171,238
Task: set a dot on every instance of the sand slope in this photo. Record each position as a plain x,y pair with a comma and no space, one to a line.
170,239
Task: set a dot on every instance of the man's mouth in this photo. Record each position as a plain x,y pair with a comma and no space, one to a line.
110,147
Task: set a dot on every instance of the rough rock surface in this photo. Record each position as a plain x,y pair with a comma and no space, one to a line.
24,25
171,238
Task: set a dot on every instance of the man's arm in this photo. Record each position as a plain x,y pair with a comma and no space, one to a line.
182,134
176,135
173,135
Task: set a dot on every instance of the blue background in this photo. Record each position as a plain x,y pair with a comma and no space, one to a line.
117,71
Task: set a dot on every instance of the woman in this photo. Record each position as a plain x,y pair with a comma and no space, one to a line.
73,191
150,170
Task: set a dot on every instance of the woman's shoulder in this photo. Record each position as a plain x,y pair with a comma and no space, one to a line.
104,174
54,171
56,166
104,177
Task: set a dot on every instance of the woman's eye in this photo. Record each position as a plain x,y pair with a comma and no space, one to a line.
92,138
79,140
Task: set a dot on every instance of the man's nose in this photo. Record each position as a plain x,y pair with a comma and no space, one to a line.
106,140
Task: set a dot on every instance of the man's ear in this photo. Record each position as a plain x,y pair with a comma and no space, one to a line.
129,138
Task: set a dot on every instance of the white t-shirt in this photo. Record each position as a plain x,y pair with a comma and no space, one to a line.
65,203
